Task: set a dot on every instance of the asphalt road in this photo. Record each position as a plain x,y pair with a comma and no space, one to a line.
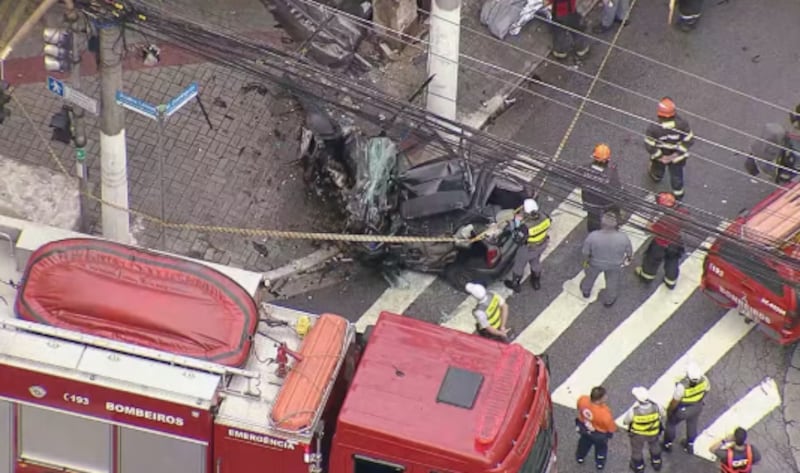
737,43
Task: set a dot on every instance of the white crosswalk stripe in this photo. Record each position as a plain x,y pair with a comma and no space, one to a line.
636,331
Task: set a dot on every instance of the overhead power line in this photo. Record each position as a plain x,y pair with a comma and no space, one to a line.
307,79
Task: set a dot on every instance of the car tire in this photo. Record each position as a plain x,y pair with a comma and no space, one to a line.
458,275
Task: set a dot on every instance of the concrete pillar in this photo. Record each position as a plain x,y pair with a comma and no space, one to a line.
113,155
445,31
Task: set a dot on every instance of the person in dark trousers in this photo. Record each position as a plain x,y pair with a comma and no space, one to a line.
614,11
595,425
666,246
735,455
531,230
645,422
606,251
668,143
602,173
565,19
491,313
689,12
778,150
686,405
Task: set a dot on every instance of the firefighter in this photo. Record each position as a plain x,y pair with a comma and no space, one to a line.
666,245
595,425
689,12
668,143
735,455
566,19
603,173
778,150
645,422
530,228
491,313
686,405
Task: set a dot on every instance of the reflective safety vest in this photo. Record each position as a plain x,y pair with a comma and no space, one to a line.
537,231
696,393
646,420
736,464
493,312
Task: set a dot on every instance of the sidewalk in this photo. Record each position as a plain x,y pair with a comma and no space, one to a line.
244,172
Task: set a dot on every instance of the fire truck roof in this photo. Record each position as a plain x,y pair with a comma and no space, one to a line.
445,390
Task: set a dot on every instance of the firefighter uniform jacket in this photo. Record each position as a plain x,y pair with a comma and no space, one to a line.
667,229
671,137
598,177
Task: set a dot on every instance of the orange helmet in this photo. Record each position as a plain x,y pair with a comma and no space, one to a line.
666,108
601,153
667,199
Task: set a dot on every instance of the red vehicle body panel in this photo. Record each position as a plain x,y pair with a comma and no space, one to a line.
764,288
119,292
107,404
394,384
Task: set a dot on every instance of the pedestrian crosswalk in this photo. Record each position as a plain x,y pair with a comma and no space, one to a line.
640,328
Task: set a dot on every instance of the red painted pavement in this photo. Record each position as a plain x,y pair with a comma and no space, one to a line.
29,70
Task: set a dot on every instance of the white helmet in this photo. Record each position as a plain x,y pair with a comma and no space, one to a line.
476,290
641,393
693,372
530,206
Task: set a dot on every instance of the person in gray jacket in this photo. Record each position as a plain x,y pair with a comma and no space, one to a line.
606,251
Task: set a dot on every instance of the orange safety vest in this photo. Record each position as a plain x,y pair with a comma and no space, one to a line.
738,466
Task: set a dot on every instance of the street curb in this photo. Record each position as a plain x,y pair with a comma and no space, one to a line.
791,405
497,103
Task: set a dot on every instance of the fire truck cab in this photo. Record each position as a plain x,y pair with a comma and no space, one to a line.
118,359
763,284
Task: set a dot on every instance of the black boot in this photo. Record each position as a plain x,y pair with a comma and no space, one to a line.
536,281
655,460
513,283
637,467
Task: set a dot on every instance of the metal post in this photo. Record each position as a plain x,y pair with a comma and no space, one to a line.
162,122
78,127
113,156
443,55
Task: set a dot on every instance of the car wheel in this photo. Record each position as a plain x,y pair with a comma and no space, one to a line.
458,275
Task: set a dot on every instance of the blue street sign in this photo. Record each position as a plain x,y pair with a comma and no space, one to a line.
55,86
137,105
182,99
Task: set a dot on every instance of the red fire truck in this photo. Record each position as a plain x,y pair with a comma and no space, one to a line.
116,359
763,285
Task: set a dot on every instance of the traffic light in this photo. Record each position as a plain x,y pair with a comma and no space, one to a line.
5,97
57,49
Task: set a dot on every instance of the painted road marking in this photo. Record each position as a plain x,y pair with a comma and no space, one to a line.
750,409
396,299
565,218
570,303
706,353
631,333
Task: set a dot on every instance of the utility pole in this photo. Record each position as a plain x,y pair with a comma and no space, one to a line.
78,130
443,56
113,155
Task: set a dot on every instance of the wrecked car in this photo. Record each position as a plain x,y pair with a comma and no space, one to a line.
378,190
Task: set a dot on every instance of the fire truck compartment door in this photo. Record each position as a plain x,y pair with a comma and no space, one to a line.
5,437
63,440
142,451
